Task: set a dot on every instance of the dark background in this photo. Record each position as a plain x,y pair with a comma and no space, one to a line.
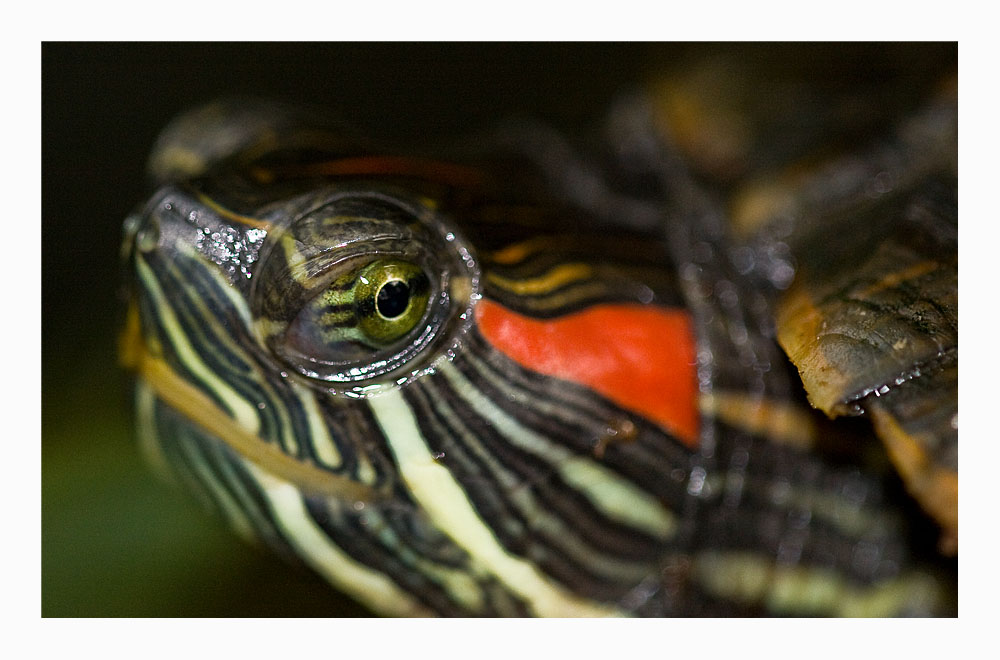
115,542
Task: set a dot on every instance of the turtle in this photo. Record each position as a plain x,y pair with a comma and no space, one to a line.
532,375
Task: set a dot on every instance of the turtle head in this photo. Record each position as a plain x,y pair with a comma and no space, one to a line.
428,354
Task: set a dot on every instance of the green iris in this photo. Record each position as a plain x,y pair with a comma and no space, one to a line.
390,298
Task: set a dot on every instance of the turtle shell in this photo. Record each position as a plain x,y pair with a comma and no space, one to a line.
532,374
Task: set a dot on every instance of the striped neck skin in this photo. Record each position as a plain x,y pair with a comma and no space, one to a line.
461,403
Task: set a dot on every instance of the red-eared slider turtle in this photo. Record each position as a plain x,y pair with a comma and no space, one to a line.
539,378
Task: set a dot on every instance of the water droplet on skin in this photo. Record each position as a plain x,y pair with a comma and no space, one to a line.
697,481
883,182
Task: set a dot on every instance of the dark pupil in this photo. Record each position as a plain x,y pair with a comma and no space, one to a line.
392,299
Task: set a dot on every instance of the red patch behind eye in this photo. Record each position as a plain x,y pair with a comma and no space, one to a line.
641,357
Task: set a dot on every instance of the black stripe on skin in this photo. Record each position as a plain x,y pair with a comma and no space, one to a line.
153,325
540,477
647,461
617,542
419,533
633,269
512,530
230,367
791,533
348,530
355,431
270,371
585,293
277,392
174,429
622,254
477,480
170,426
681,596
334,308
605,286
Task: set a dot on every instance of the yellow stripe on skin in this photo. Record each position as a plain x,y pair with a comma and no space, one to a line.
616,497
149,445
513,254
197,406
433,486
181,160
231,509
245,414
459,583
565,298
542,518
894,279
372,588
324,446
801,590
230,215
295,260
555,278
223,334
935,487
780,421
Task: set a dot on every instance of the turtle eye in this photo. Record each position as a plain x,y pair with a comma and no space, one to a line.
364,290
366,309
390,299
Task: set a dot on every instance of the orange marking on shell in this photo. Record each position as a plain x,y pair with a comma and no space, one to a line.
641,357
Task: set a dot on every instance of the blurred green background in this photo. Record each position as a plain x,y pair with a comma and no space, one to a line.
115,541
